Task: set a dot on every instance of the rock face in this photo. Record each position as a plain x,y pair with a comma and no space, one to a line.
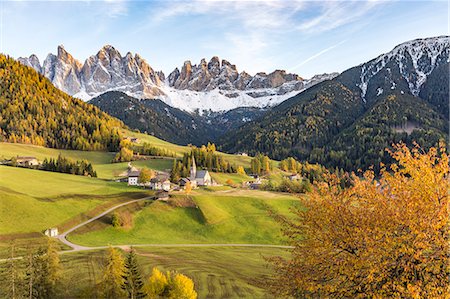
215,85
107,70
225,76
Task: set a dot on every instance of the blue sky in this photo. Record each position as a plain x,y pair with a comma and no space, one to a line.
304,37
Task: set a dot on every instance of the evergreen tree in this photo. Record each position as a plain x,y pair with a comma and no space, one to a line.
133,283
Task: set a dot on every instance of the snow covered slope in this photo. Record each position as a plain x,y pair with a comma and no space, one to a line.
215,86
411,62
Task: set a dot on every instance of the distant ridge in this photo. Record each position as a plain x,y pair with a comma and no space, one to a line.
212,86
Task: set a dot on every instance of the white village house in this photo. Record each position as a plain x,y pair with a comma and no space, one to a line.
51,232
133,176
160,182
27,161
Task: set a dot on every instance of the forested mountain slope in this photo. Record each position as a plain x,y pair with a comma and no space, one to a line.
33,111
350,121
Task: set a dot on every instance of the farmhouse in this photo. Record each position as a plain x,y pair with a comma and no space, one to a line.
27,161
133,176
160,182
132,139
184,181
51,232
294,177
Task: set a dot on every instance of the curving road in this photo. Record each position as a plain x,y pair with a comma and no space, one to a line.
75,247
63,237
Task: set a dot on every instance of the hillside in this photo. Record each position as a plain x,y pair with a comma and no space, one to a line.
349,121
156,118
33,111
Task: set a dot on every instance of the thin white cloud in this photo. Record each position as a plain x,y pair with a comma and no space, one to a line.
253,27
315,56
334,14
116,8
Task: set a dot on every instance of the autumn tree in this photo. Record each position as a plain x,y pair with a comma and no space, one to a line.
112,279
157,284
188,188
124,155
240,170
181,287
385,237
145,175
11,277
170,285
43,271
133,283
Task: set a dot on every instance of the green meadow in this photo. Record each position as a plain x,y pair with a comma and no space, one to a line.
101,161
228,216
34,200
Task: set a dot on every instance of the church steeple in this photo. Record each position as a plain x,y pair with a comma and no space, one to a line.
193,169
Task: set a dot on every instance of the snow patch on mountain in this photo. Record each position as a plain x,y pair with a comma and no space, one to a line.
415,59
212,86
216,100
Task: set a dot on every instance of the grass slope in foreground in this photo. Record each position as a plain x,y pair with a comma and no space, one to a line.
217,272
34,200
228,216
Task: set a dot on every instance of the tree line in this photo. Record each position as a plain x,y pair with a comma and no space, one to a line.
63,165
205,158
39,275
130,152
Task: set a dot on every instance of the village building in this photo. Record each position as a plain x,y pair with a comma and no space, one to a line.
184,181
27,161
244,154
132,139
51,232
201,177
294,177
160,182
256,184
133,176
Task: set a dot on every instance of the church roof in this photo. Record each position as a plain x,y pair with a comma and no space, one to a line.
201,174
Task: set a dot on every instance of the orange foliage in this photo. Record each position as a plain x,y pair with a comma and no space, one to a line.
385,237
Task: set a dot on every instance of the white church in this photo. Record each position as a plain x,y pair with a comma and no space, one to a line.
197,178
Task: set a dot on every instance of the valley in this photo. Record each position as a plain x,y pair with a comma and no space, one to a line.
119,180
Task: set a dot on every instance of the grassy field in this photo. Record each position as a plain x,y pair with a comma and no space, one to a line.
227,216
217,272
33,200
180,150
222,178
101,161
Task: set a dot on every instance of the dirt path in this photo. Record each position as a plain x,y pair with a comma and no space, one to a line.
76,248
63,237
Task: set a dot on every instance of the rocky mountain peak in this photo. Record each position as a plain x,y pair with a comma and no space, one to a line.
214,85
